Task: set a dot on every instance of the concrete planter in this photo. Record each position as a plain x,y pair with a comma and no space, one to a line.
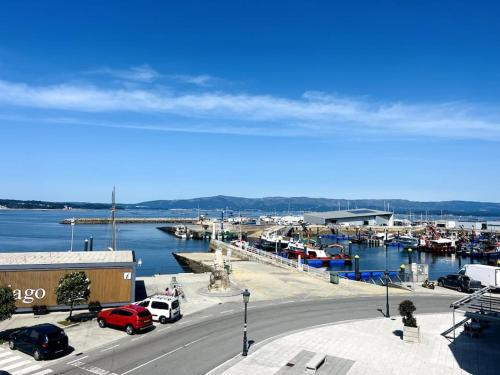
411,334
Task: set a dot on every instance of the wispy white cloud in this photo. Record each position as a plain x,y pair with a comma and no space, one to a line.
142,73
203,80
314,114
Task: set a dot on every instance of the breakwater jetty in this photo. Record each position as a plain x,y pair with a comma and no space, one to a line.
131,220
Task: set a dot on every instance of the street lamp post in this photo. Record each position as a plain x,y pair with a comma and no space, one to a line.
387,315
246,298
72,230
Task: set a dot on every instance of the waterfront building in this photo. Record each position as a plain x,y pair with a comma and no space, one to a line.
357,217
34,276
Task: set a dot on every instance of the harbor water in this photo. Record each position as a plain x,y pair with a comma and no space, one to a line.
35,230
374,259
39,230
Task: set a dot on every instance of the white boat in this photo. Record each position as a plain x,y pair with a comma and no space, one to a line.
273,241
384,236
182,232
408,241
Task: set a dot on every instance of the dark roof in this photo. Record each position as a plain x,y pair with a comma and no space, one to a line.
46,328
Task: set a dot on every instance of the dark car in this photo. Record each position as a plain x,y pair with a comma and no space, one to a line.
131,317
41,341
461,283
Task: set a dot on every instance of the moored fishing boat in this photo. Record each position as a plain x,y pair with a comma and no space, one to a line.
407,241
273,241
182,232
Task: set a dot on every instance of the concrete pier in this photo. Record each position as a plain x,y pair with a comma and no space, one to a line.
130,220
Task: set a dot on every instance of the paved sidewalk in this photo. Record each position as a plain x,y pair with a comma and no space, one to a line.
374,347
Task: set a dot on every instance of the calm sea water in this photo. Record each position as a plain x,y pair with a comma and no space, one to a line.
29,230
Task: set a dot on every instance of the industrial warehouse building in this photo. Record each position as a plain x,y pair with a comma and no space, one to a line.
358,217
34,276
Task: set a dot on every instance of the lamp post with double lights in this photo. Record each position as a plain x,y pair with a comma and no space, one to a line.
246,298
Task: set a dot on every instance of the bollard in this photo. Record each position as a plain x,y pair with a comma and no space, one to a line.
410,257
356,268
402,272
91,243
86,245
350,249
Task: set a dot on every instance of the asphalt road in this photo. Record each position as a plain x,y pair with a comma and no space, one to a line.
200,342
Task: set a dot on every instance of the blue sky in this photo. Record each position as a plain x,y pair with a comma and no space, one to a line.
359,99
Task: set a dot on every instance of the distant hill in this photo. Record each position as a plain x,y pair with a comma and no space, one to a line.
270,204
13,203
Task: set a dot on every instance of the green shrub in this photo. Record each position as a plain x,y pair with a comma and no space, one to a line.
406,310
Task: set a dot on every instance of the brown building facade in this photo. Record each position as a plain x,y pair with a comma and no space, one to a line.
34,277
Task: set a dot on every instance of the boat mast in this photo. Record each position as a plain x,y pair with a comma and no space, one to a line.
113,221
240,229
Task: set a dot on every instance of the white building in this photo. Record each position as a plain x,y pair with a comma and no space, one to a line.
357,217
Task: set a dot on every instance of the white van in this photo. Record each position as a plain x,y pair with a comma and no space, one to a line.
163,308
487,275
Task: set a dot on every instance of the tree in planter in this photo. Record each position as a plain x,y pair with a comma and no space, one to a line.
74,288
7,303
406,310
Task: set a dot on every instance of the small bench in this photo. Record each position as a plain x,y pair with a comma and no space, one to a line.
315,363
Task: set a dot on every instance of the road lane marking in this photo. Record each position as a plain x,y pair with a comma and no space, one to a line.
163,329
111,347
17,364
43,372
165,354
76,360
185,322
154,359
92,369
26,370
138,338
195,341
226,311
205,316
11,359
5,354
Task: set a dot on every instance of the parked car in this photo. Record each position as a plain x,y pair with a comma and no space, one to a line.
131,317
41,341
462,283
162,308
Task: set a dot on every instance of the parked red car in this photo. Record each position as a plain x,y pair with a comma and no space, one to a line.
131,317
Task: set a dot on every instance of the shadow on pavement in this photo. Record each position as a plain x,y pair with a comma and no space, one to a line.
250,343
398,333
140,290
478,353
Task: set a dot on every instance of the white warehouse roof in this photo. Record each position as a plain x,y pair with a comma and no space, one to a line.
361,212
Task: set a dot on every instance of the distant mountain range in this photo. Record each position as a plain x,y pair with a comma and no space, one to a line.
270,204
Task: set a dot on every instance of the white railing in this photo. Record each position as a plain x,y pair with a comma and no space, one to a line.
274,259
